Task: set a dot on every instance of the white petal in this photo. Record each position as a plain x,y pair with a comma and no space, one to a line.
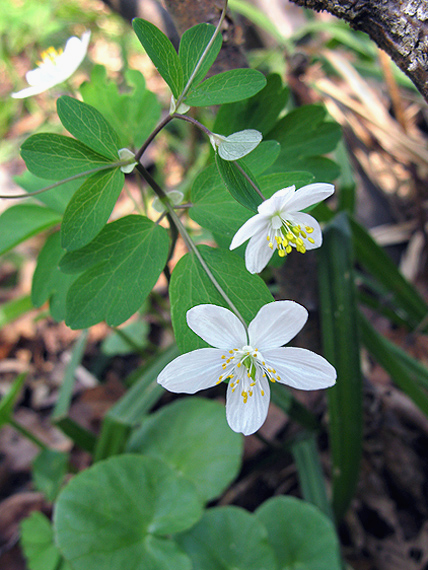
249,417
251,227
276,202
239,144
301,368
192,371
258,253
307,220
218,326
310,194
276,324
33,90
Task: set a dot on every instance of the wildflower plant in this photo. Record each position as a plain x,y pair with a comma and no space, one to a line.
147,497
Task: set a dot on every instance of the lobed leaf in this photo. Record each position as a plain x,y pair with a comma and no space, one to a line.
121,266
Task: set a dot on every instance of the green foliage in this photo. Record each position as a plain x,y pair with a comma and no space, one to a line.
7,403
190,286
192,44
226,87
57,157
120,267
20,222
162,53
240,183
90,208
49,469
117,343
49,283
304,539
120,513
55,199
132,114
246,546
38,544
192,437
88,125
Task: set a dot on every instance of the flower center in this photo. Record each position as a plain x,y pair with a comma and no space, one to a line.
50,56
283,235
244,368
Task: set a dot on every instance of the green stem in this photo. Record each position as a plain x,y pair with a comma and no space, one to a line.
175,220
201,59
23,431
69,179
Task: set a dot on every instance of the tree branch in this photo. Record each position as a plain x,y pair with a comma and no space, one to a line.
399,27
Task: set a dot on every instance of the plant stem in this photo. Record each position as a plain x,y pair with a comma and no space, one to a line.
175,220
242,171
150,138
194,122
26,433
69,179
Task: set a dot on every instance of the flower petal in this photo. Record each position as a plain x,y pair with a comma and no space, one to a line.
33,90
277,201
251,227
258,253
218,326
301,368
193,371
307,220
308,195
276,324
249,417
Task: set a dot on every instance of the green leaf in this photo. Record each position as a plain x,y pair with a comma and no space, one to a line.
311,477
55,199
192,45
49,469
49,283
12,310
37,541
7,403
238,184
261,158
216,210
162,53
133,114
304,135
409,374
118,514
121,265
191,286
88,125
89,209
259,112
226,87
56,157
229,538
19,223
305,539
342,348
192,436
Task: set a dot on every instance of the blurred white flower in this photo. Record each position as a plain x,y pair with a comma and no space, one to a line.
280,224
55,66
248,360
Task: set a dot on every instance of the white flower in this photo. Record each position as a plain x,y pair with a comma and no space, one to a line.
55,66
248,360
280,224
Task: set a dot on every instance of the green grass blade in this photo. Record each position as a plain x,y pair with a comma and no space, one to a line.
14,309
342,349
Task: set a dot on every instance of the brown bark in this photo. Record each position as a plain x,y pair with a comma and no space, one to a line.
188,13
399,27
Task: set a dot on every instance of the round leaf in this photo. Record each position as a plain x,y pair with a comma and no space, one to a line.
304,539
192,436
239,144
116,514
229,538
